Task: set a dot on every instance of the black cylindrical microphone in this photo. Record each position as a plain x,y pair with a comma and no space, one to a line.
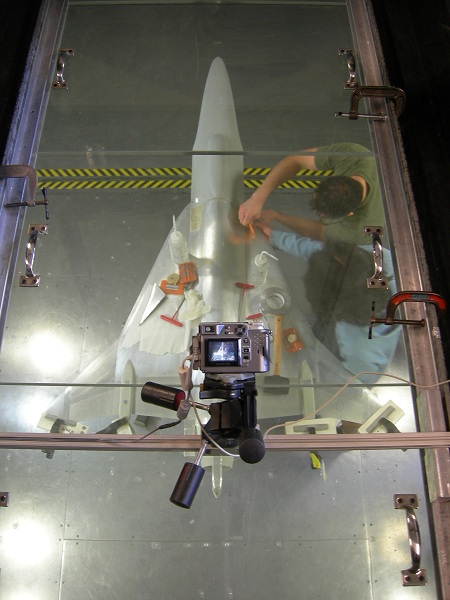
189,481
187,485
162,395
251,445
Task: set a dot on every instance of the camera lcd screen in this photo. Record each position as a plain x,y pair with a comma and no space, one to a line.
222,352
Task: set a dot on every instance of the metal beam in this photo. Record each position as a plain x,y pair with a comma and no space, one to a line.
295,442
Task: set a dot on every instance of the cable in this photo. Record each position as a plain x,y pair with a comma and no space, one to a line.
208,437
340,390
214,443
185,374
163,426
167,425
186,378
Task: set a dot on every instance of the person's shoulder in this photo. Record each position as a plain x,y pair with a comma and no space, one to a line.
345,147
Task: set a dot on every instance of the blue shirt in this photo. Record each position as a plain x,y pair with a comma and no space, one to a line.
357,352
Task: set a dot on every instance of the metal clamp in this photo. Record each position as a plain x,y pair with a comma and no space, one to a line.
43,202
28,173
30,279
377,280
414,576
395,94
368,91
400,298
60,83
4,499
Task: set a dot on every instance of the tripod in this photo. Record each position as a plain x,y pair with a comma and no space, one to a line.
232,423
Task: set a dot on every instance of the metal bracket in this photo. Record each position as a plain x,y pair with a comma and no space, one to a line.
4,499
383,419
414,576
30,279
395,94
60,83
377,280
349,53
401,297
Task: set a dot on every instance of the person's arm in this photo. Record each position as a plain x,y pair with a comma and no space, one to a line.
297,245
291,243
284,170
307,227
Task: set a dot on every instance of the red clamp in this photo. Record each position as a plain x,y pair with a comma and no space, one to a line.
399,298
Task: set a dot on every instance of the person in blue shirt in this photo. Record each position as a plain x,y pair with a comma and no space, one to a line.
336,288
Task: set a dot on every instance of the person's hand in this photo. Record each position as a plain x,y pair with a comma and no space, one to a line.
263,227
267,216
250,209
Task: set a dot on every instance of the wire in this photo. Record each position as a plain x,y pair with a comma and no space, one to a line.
163,426
189,387
186,380
206,434
167,425
340,390
313,414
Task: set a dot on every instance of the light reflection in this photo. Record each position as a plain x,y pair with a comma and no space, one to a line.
51,354
23,595
28,543
32,405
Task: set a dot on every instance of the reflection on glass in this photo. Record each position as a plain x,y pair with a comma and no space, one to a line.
314,298
50,353
29,544
321,300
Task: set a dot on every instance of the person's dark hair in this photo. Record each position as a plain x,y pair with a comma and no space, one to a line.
337,196
336,287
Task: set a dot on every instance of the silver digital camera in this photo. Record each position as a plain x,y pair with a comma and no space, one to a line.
231,348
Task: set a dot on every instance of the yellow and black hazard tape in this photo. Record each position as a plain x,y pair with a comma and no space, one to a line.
156,177
111,184
137,172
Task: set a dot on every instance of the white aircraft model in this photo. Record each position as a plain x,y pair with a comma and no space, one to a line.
150,348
